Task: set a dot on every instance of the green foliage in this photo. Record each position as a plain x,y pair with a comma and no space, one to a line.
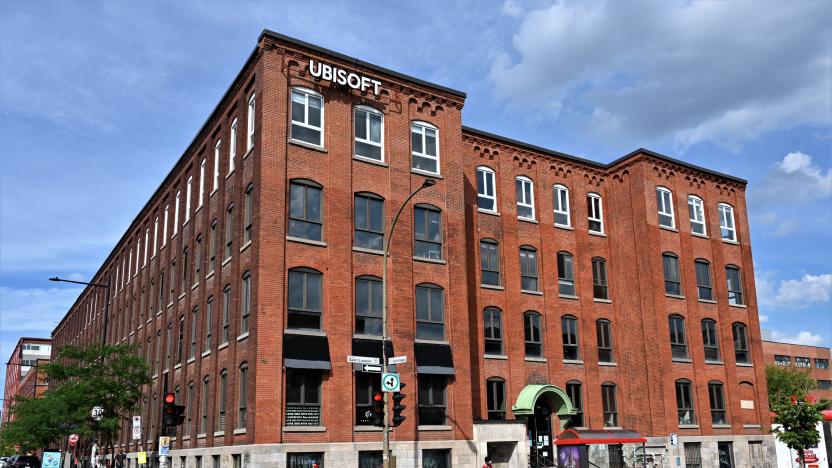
109,376
785,382
796,417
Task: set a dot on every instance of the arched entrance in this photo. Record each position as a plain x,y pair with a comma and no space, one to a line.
538,403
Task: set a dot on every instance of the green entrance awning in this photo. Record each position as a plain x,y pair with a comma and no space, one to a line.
557,398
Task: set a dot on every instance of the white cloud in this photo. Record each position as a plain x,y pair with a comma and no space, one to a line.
685,71
763,318
35,310
802,338
793,294
794,179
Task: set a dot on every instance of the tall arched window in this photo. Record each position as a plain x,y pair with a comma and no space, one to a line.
664,202
603,329
307,116
533,336
560,195
672,277
245,303
696,209
717,400
524,188
486,189
728,229
569,332
684,402
741,349
733,279
704,286
595,213
566,274
223,400
493,327
305,303
368,305
496,398
369,133
599,279
305,210
424,147
430,312
528,269
573,389
490,262
368,217
609,404
678,337
710,340
242,397
427,231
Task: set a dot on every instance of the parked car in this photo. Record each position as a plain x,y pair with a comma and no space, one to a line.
23,461
3,461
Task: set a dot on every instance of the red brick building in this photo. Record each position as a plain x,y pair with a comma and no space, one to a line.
23,377
814,360
530,290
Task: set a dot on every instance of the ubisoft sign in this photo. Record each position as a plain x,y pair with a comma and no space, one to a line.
342,77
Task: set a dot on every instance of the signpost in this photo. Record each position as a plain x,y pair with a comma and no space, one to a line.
390,382
362,360
137,427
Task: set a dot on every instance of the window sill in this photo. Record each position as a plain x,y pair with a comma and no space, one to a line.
688,426
187,437
304,428
305,241
596,233
195,285
602,301
304,332
703,236
435,175
614,428
304,144
222,346
243,336
488,212
369,160
535,359
216,189
568,296
181,296
248,153
422,340
745,364
245,246
707,301
231,173
527,220
368,251
721,426
199,208
190,360
187,220
608,364
367,429
715,363
226,261
240,431
201,436
209,275
160,312
685,360
155,376
219,433
732,242
675,296
434,428
178,366
738,306
362,336
139,328
752,426
206,353
495,356
130,334
430,260
489,286
533,293
578,362
668,228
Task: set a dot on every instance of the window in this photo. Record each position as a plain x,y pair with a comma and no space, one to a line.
672,281
304,299
781,360
232,146
212,247
223,401
609,404
250,127
183,286
561,203
424,147
696,209
226,314
710,339
198,258
365,385
369,221
217,147
595,213
176,212
726,222
229,231
678,340
248,213
188,199
741,344
245,303
717,403
532,335
370,459
369,133
203,424
307,116
664,202
566,275
304,460
599,279
822,363
824,384
603,329
194,318
164,228
569,332
528,269
524,190
496,399
168,346
684,402
303,398
430,312
486,191
209,324
368,305
490,262
704,290
190,408
436,458
242,399
693,455
305,210
428,232
799,361
573,389
734,281
493,331
432,403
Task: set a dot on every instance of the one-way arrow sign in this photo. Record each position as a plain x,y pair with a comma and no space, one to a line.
371,368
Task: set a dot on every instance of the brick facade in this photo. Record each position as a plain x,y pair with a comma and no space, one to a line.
813,353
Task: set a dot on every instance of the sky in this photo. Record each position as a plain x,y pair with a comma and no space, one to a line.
98,99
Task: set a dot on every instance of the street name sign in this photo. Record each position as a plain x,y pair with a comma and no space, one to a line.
362,360
397,360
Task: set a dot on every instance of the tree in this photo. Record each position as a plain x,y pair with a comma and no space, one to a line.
796,415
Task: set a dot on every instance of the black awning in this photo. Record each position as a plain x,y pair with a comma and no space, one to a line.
305,352
369,348
434,359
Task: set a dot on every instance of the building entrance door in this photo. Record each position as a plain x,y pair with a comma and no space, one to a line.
539,428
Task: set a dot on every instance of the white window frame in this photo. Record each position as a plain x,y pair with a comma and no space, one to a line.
306,92
724,210
488,173
188,199
421,125
525,203
201,182
217,146
129,265
698,206
155,237
557,189
138,252
146,244
599,216
250,124
165,228
176,212
369,110
666,206
232,145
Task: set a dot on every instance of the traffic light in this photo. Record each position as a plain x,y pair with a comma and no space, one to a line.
178,414
398,407
169,410
378,409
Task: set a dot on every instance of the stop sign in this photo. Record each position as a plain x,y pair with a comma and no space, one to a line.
73,439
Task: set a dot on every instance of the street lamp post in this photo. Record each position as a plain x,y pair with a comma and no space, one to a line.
106,302
386,448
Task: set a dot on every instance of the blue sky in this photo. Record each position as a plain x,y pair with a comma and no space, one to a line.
98,99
